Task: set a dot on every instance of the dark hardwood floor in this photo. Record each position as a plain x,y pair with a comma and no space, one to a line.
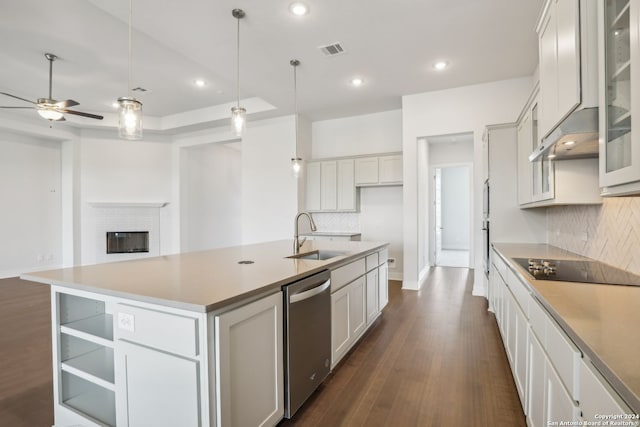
26,384
434,358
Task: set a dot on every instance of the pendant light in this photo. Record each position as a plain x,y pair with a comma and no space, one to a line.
130,109
238,113
296,162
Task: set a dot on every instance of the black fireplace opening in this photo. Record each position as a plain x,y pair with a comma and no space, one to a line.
127,242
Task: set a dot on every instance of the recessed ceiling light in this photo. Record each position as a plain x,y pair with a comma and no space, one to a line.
299,9
200,83
569,142
357,81
440,65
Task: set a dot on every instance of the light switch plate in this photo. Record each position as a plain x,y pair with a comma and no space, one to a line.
126,322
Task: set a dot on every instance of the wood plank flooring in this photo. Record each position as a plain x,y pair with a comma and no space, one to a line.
26,378
434,358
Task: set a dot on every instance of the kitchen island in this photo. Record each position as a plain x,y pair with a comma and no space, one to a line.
572,346
196,339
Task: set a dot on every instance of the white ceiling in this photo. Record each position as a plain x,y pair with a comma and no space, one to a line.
390,44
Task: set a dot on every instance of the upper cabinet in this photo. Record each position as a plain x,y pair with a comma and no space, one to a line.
332,184
331,187
380,170
567,45
619,64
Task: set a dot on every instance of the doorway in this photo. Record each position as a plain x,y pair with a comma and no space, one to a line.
452,215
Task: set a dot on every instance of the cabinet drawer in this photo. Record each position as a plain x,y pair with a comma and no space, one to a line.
383,256
564,356
346,274
597,396
372,261
165,331
501,267
538,320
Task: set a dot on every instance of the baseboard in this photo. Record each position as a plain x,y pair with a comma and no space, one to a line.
395,276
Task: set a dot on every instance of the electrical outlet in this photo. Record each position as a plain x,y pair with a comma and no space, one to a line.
391,262
40,258
126,322
584,236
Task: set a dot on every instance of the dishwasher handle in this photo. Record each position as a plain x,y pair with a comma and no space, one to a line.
310,293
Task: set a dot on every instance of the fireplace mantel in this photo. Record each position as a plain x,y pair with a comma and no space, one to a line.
128,204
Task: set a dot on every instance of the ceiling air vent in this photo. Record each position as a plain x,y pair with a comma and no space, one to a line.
333,49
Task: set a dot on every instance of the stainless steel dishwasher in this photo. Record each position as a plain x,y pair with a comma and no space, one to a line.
307,338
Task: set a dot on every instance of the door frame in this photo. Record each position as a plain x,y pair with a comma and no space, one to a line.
432,210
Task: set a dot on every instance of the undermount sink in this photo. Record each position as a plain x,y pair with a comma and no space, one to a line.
318,255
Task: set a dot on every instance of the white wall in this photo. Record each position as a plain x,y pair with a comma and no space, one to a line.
114,170
380,217
353,136
458,110
211,202
30,217
455,208
269,190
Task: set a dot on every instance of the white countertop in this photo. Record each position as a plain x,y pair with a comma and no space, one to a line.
207,280
601,319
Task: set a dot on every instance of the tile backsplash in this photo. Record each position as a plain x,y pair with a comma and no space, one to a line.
609,232
337,221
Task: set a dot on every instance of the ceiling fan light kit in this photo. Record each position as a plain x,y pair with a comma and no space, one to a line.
238,113
130,109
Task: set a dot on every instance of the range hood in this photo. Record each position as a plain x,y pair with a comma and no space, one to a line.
576,137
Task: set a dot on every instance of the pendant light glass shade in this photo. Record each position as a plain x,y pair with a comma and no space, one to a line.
129,108
296,166
130,118
238,120
238,113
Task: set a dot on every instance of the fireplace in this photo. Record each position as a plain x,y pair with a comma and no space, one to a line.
127,242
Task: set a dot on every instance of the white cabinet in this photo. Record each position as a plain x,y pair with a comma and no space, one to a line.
161,388
383,291
348,317
546,182
367,171
249,365
313,186
379,170
346,187
158,367
619,63
536,404
560,405
328,186
598,398
568,59
83,359
390,169
331,186
373,285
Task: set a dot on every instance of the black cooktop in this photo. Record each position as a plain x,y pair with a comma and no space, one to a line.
577,271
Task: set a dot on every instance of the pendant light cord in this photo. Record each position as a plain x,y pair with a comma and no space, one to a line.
130,18
238,64
295,103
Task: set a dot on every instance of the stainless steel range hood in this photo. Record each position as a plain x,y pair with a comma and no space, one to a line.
575,138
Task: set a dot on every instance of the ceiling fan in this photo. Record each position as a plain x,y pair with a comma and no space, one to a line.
49,108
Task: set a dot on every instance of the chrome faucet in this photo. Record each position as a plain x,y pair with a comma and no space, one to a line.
296,239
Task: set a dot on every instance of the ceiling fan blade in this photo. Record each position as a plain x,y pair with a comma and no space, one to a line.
27,108
67,103
16,97
80,113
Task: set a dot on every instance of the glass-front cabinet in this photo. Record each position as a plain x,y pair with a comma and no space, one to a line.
543,169
620,96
